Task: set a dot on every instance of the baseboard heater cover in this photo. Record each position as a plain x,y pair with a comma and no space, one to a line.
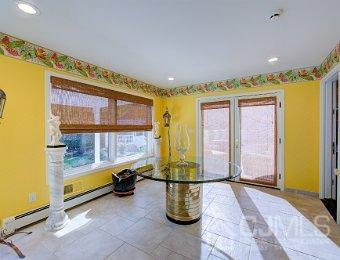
13,223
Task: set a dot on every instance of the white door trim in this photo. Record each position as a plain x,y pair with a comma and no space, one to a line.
280,125
323,117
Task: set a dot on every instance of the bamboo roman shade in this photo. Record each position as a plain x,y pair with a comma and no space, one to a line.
265,101
85,108
216,105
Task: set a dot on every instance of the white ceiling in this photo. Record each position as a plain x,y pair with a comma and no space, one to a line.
193,40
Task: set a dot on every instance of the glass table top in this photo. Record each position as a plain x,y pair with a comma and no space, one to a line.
159,169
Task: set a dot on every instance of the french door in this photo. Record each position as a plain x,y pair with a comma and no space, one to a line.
216,135
246,130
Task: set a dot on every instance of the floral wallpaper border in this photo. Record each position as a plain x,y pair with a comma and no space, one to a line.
23,50
20,49
283,77
331,60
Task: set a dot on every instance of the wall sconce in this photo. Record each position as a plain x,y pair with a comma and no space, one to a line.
167,118
2,102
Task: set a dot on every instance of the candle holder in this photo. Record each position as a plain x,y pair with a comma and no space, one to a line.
182,143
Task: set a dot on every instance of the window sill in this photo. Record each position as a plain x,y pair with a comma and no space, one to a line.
94,168
132,158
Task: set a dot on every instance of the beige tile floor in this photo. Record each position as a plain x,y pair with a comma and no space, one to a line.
239,222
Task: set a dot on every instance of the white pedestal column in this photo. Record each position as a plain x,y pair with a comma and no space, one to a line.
57,217
157,147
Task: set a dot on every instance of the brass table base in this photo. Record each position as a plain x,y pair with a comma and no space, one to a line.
184,202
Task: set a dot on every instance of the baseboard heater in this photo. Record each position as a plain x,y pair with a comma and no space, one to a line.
13,223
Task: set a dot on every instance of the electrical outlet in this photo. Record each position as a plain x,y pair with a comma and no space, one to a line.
32,196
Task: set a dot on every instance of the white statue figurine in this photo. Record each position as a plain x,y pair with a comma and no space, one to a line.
156,133
54,124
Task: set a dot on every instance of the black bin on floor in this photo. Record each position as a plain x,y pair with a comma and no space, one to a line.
124,182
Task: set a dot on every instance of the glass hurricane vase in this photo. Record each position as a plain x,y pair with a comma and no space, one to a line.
182,143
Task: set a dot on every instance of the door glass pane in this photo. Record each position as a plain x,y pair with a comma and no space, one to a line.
216,136
258,140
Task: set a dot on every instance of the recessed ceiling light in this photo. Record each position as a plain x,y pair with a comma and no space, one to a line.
171,78
274,59
28,8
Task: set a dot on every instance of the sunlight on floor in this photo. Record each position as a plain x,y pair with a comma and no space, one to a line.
75,223
281,223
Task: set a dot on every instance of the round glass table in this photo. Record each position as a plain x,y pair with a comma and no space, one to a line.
184,183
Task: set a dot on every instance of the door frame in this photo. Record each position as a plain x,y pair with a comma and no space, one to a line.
280,125
325,146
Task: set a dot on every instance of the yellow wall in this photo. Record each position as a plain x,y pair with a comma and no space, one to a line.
22,139
301,129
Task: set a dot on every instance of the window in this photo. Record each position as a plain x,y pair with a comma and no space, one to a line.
87,150
100,127
131,145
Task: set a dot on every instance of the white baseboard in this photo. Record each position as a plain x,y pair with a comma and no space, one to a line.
13,223
303,192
